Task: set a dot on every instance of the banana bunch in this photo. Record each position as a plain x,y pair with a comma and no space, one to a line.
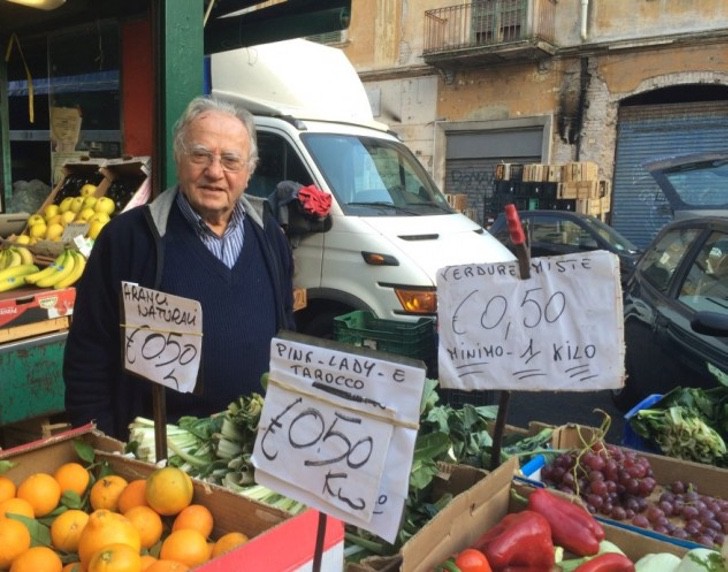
63,272
16,262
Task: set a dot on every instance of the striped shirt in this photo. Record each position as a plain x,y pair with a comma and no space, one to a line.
225,248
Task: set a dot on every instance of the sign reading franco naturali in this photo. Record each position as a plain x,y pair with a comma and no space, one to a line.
559,330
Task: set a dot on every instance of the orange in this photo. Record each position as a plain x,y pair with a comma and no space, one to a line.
66,530
7,488
133,495
227,542
147,561
148,523
72,567
72,477
186,546
42,491
106,527
14,540
16,506
163,565
106,491
197,517
169,490
37,559
116,558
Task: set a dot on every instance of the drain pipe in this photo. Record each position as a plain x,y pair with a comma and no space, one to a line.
584,12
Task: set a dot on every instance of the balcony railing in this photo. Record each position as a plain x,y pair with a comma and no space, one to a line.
488,23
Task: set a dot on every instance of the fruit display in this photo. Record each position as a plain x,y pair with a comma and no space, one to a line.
85,518
16,263
73,184
619,484
17,269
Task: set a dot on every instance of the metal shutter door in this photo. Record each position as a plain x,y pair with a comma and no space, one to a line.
639,209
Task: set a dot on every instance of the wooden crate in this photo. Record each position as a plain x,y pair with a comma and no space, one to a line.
34,329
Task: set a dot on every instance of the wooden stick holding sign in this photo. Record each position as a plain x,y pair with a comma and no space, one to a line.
162,343
518,238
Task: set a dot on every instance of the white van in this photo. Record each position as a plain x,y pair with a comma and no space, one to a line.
390,227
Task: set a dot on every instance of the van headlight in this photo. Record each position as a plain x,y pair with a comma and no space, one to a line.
417,301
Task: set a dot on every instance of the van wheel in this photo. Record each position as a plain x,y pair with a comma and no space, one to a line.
320,326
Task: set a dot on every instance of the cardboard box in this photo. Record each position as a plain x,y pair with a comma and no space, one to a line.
32,306
107,175
478,509
269,528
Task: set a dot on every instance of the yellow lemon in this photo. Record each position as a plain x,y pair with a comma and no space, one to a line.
65,204
105,205
76,204
94,229
53,231
22,239
38,230
50,211
87,190
36,219
67,217
85,214
101,217
89,202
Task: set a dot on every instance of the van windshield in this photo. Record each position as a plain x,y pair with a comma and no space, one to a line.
375,177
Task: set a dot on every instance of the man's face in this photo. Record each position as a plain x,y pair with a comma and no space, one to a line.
213,172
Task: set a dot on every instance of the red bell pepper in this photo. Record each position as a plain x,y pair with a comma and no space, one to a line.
572,526
519,539
608,562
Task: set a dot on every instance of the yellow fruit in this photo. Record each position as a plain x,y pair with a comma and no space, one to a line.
197,517
53,231
22,239
106,491
50,211
148,523
7,488
105,205
65,205
72,477
186,546
89,202
116,558
36,219
66,529
85,214
105,527
94,229
16,506
38,230
162,565
76,204
87,190
14,540
227,542
67,217
169,490
42,491
55,219
37,559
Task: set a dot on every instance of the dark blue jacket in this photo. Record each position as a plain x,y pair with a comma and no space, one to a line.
132,248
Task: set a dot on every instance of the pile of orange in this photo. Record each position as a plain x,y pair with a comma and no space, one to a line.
120,525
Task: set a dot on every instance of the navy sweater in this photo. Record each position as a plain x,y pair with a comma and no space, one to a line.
242,308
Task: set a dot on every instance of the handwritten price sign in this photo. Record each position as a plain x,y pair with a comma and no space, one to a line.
162,336
337,432
561,329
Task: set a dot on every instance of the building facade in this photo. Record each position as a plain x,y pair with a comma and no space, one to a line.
615,82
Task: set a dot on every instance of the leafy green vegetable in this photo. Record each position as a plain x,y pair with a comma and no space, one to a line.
688,423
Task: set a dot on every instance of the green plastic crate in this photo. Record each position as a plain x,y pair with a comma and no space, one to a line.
411,339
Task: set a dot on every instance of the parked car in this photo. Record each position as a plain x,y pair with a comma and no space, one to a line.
554,232
675,311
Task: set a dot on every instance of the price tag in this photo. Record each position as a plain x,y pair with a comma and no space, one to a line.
561,330
337,432
162,336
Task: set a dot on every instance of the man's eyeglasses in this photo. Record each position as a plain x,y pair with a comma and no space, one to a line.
204,157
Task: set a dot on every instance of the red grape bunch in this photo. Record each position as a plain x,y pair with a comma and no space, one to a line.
618,484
